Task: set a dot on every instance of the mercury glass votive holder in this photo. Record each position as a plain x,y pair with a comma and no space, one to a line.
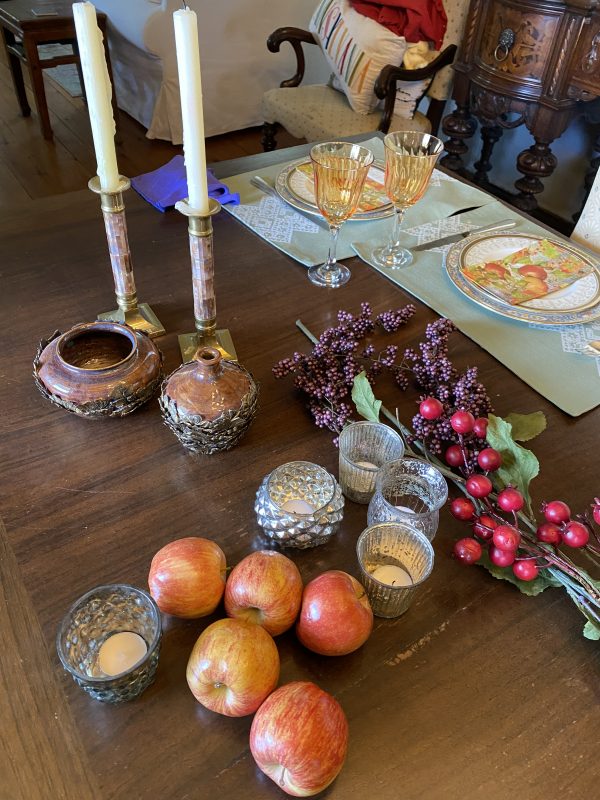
395,547
364,447
409,490
299,505
90,621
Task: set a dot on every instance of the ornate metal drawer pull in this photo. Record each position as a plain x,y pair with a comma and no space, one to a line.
591,59
505,42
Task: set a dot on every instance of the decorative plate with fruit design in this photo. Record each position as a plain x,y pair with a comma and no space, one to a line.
295,185
500,271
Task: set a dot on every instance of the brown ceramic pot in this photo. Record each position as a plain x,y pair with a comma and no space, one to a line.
98,369
209,403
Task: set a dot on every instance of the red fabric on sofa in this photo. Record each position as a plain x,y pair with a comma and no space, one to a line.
416,20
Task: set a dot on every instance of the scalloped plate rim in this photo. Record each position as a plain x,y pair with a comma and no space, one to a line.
453,263
289,196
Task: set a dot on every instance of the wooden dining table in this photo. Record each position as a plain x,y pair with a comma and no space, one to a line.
478,691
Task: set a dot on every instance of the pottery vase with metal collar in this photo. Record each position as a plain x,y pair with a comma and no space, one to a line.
209,402
98,369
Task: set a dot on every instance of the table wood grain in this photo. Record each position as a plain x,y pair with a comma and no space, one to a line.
477,692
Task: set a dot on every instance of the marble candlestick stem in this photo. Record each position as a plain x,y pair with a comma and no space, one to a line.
200,232
138,315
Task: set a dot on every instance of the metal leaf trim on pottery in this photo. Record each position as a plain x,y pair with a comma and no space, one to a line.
211,436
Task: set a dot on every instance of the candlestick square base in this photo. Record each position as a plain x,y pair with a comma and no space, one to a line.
189,343
140,319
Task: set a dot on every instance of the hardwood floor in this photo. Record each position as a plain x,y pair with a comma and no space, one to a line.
31,167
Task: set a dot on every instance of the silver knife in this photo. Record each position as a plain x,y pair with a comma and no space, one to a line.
456,237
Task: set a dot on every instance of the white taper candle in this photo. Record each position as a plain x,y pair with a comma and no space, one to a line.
190,88
98,92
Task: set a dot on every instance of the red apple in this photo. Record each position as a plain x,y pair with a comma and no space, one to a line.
299,738
187,577
336,616
233,667
265,588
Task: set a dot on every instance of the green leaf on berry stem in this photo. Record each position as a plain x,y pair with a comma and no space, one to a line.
531,588
591,630
364,399
526,426
519,465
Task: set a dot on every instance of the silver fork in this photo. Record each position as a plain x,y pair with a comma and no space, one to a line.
261,183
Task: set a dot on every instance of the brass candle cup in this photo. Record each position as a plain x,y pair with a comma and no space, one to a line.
90,621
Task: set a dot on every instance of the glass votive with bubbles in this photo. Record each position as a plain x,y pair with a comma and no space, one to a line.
395,559
409,490
299,505
364,447
109,642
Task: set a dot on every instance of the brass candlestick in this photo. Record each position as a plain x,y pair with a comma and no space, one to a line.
138,315
205,309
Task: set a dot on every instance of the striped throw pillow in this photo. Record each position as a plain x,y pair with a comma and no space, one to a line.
357,48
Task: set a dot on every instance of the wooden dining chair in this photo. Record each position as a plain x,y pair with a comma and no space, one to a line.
321,112
587,230
362,54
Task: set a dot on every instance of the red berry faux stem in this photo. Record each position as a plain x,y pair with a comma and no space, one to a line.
430,366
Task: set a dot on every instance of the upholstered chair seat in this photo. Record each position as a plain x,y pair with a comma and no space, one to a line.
321,112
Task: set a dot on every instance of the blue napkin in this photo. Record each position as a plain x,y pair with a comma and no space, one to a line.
168,184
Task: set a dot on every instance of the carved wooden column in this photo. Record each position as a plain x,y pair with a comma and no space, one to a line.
490,135
458,126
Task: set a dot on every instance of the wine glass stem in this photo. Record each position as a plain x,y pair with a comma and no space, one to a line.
331,257
395,235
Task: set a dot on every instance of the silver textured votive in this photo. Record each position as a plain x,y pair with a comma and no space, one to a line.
299,505
364,447
394,559
91,621
410,491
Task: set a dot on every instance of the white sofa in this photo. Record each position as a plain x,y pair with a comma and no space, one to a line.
236,65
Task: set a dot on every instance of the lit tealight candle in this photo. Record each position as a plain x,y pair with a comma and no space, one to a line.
297,506
120,652
392,575
365,465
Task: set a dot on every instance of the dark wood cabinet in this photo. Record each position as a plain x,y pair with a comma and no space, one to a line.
523,62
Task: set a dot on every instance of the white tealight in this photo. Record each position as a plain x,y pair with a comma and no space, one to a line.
392,575
297,506
365,465
120,652
405,509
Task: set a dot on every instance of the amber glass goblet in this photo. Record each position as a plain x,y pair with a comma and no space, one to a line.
409,161
340,171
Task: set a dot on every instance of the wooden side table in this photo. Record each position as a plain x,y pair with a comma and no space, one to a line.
531,62
25,24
